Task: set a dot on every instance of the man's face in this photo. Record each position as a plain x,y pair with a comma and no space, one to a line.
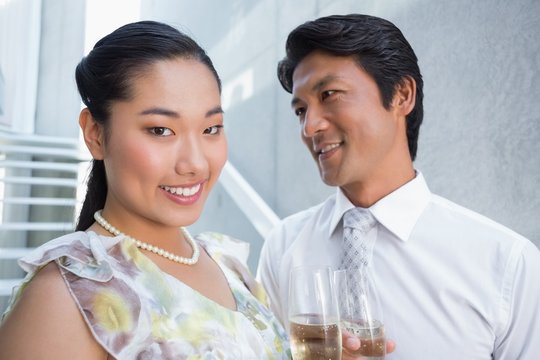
349,133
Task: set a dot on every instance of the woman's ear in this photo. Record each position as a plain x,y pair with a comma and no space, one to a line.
92,133
405,96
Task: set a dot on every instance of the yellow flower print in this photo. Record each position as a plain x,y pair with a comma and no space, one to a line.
111,311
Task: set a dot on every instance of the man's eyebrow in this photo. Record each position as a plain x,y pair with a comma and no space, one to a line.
318,85
174,114
324,81
294,101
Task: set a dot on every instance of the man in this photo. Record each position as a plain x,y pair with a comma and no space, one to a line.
452,284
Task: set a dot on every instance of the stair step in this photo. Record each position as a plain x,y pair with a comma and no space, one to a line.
7,137
7,285
37,226
40,165
40,201
44,150
40,181
14,253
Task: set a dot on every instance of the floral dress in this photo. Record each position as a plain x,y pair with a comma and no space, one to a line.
136,311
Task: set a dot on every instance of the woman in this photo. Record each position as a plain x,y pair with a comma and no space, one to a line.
131,283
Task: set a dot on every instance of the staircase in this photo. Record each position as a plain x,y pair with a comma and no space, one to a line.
41,180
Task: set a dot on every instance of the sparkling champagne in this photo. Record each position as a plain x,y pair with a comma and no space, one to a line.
372,341
313,340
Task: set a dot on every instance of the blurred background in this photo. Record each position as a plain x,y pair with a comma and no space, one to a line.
479,145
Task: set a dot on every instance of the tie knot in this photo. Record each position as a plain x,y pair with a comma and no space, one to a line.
359,218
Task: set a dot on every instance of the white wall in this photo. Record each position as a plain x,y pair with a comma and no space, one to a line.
61,48
20,26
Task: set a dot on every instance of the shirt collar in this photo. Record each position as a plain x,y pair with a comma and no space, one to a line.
398,211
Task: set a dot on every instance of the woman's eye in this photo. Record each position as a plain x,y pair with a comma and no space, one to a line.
213,130
299,111
161,131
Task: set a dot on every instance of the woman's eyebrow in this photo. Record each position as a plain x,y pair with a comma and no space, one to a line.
174,114
160,111
214,111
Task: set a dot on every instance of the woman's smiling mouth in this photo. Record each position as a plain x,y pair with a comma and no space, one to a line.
182,191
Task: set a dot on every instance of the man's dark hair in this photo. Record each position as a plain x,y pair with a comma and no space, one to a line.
379,48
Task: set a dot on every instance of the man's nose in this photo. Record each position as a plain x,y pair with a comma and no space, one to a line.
314,122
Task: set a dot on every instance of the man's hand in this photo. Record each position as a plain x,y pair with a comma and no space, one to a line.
351,343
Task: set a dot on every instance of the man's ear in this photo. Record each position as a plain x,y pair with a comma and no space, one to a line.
405,96
92,133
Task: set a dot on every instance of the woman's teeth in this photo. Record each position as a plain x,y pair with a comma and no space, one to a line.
183,191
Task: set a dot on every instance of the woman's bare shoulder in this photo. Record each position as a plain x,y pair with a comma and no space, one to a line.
45,321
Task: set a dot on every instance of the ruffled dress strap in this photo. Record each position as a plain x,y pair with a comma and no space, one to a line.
233,254
83,254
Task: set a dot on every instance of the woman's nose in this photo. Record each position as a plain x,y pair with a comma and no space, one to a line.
190,157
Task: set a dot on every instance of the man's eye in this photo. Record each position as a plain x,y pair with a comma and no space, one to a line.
213,130
161,131
299,111
327,93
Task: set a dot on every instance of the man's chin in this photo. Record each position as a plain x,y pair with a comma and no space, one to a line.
329,179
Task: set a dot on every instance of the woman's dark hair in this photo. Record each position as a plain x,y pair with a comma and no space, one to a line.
106,74
379,48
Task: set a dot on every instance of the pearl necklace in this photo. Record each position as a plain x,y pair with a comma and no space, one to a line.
156,250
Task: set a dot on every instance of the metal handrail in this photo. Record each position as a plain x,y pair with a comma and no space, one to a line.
261,216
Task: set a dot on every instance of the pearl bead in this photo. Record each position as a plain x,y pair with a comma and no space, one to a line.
145,246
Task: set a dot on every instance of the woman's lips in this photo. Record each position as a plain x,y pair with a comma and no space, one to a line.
183,195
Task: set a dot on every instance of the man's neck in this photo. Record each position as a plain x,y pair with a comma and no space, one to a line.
367,193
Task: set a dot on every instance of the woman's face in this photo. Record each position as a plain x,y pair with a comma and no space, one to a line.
165,146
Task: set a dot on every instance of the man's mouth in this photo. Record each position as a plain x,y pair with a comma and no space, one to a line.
327,148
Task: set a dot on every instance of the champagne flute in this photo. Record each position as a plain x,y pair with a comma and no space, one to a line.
360,311
313,315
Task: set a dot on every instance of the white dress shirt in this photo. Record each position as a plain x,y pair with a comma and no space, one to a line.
453,284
